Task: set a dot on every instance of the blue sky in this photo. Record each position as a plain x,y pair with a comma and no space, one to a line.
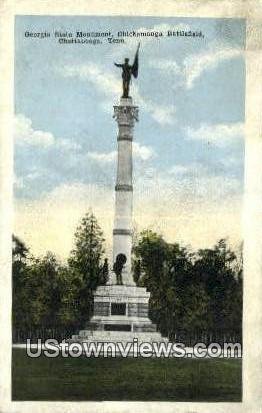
189,142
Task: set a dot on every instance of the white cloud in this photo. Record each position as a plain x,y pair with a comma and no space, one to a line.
18,182
165,64
49,223
218,134
141,152
164,115
190,207
178,170
91,194
68,145
231,161
25,134
196,210
33,175
100,157
110,85
195,65
184,170
185,186
105,82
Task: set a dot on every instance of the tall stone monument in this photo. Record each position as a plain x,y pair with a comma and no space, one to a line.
120,307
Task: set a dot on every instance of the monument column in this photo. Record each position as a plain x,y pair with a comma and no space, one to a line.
125,114
121,311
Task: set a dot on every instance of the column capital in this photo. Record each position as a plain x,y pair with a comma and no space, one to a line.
126,114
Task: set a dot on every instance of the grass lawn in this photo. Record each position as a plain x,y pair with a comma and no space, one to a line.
139,379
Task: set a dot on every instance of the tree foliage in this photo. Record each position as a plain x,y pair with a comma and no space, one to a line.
46,293
199,291
86,262
190,291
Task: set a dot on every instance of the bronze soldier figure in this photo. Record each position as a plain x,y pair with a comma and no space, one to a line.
127,72
118,268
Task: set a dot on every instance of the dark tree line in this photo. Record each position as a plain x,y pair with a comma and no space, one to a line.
192,294
54,299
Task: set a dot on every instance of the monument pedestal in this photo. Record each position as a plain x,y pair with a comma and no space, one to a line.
120,314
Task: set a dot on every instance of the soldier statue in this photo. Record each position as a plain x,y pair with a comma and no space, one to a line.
127,72
118,268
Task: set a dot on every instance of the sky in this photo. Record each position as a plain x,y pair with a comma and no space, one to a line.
188,144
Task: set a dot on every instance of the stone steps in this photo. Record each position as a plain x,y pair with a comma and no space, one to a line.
116,337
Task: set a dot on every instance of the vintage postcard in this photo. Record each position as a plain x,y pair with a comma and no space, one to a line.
129,191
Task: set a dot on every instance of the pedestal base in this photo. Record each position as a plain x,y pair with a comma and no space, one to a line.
120,315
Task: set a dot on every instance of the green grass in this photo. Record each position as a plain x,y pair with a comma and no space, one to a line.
124,379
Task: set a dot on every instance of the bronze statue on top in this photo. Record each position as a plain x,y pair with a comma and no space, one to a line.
127,72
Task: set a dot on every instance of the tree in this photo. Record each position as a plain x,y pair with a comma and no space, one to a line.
166,270
20,295
218,271
190,292
86,261
70,284
19,250
151,251
105,272
137,270
47,289
49,295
